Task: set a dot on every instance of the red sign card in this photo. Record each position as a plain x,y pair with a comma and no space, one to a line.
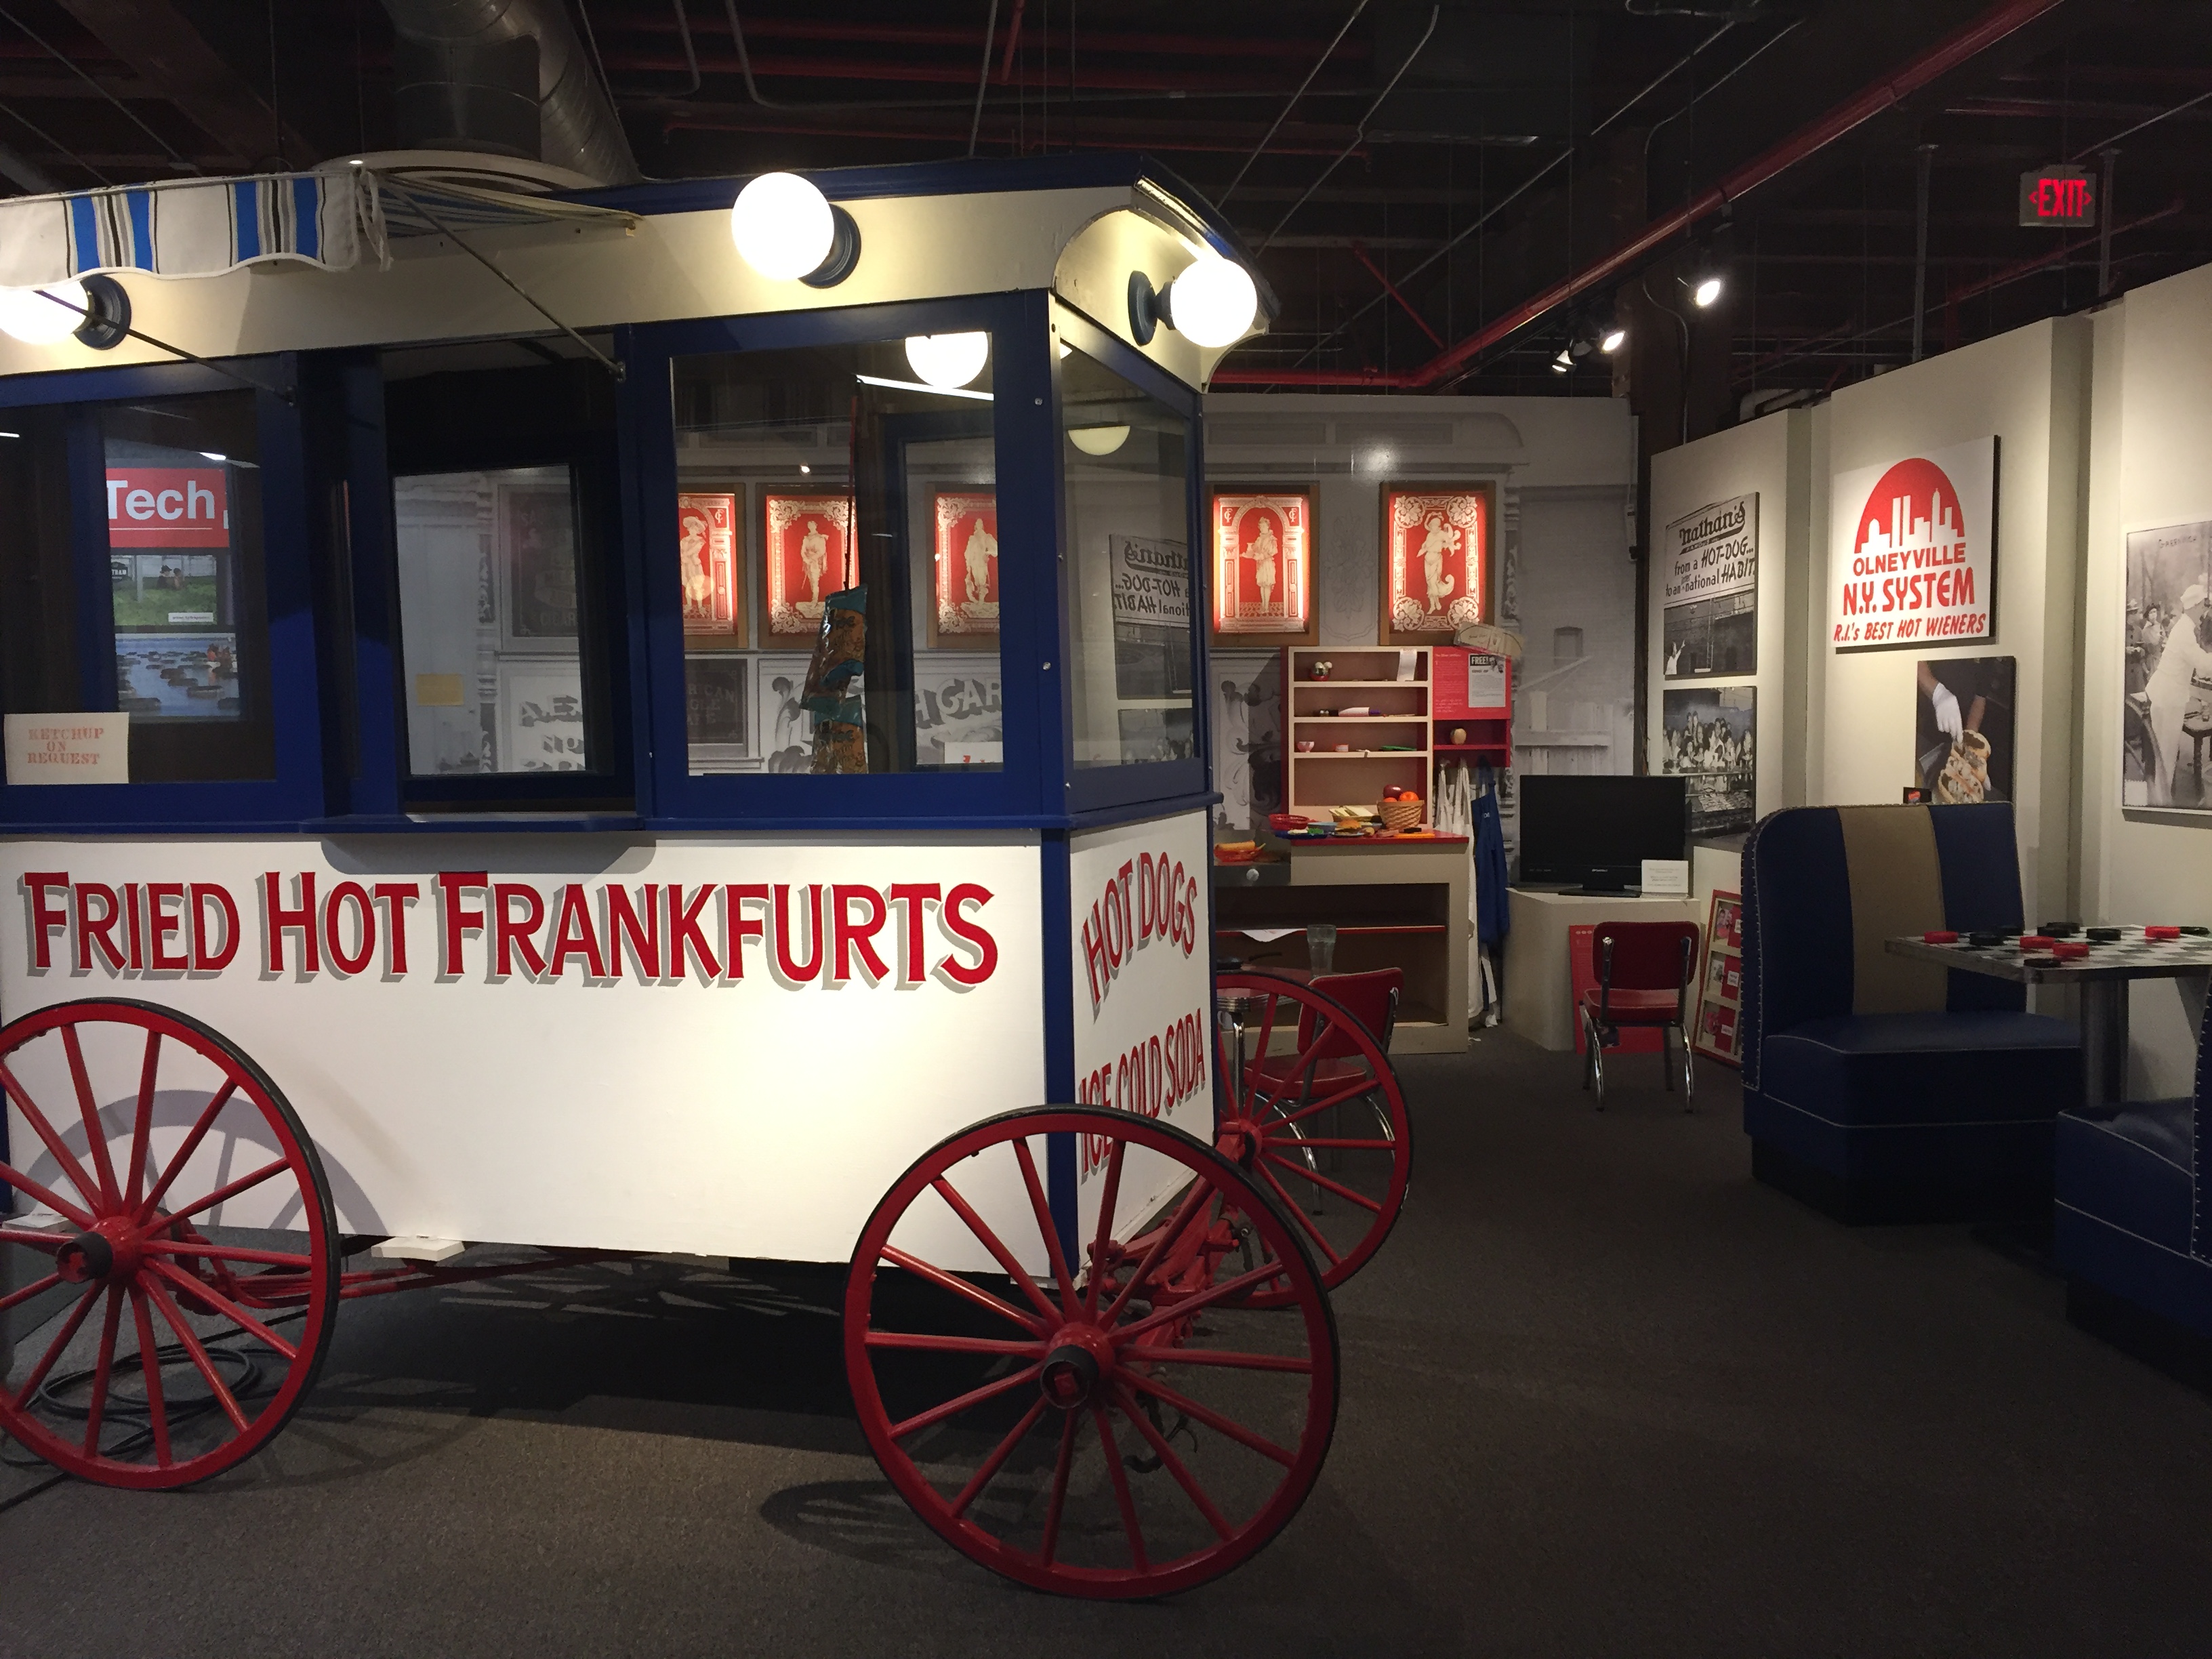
167,506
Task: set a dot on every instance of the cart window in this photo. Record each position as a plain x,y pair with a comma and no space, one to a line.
1129,519
488,612
179,641
836,514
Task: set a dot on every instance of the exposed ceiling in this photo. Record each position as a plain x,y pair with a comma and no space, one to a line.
1443,163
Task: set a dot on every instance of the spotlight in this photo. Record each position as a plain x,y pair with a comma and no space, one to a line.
787,230
1613,339
1565,362
948,361
1707,286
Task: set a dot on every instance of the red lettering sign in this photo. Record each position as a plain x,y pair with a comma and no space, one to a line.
167,506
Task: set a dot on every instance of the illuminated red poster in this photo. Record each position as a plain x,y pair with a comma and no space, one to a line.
707,556
807,543
1262,570
1435,563
1915,549
967,565
167,506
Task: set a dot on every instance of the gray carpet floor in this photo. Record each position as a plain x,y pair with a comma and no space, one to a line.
1603,1395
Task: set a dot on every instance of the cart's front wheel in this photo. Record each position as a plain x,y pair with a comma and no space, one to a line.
1110,1420
179,1223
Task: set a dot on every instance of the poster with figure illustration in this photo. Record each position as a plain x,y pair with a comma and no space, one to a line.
1263,569
807,549
1436,558
965,557
1962,729
706,561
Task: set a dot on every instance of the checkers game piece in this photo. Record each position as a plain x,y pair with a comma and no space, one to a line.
2067,949
2105,935
2161,933
1939,939
2059,929
1983,941
2036,941
2197,931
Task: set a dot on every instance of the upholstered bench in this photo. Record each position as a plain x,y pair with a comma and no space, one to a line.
2130,1194
1878,1088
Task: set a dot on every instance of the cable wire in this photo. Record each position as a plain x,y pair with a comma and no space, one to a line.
55,52
1327,52
1360,132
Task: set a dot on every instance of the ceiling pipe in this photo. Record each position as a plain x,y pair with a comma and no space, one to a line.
1446,367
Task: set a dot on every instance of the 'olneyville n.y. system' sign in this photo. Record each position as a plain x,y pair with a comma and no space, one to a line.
1912,549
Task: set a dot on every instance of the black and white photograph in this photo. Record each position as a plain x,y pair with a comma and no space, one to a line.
718,710
1709,569
1156,734
2165,711
1248,739
1710,740
1962,729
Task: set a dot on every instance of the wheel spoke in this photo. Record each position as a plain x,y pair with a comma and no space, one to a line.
55,1144
141,1132
1165,1453
222,1305
1107,1200
208,1116
149,1361
1055,1258
1185,1306
1250,1362
1323,1182
960,1288
1301,1063
221,1193
201,1363
1205,1414
1298,1213
1366,1085
1259,1054
62,1340
95,1132
916,1339
1056,1506
992,1464
1304,1141
1200,1191
102,1369
222,1252
14,1177
953,1407
28,1290
992,1243
1121,1498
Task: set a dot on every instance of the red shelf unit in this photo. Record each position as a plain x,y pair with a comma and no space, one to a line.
1474,690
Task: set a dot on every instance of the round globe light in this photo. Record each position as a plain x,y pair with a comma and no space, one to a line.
1213,303
1098,440
26,315
783,226
950,361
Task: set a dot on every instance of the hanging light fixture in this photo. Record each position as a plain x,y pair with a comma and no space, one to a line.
948,361
1098,440
788,231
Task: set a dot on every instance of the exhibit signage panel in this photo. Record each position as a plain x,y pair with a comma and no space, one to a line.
726,1046
1708,590
1912,549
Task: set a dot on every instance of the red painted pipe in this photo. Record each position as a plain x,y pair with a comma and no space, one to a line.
1440,371
1013,39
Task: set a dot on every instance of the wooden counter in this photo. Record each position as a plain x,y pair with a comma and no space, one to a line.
1398,904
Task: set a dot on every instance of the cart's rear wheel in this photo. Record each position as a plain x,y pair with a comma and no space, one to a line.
1321,1124
1124,1425
180,1208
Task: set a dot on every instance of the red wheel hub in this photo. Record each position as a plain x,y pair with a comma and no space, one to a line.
106,1252
1080,1356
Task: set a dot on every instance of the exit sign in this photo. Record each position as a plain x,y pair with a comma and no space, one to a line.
2066,197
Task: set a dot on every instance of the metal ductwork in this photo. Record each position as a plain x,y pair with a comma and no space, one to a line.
504,77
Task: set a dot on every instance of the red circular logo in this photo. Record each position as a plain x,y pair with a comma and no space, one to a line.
1911,507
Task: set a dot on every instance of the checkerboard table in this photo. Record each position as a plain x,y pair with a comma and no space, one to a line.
2098,961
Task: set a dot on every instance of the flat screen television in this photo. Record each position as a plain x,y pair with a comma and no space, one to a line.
1594,833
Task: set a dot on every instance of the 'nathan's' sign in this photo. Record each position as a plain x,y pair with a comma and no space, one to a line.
1912,550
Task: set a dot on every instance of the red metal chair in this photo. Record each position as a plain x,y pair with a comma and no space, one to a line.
1644,973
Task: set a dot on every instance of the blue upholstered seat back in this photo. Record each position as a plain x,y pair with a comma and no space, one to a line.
1798,947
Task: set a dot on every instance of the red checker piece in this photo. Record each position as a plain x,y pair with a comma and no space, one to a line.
2036,941
1939,939
2161,933
2067,948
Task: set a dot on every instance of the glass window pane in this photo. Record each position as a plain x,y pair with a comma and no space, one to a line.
488,618
1126,458
850,620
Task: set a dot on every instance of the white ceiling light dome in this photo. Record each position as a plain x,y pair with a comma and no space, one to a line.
1213,302
1098,440
26,315
784,227
948,361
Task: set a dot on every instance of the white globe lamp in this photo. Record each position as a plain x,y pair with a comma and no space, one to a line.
788,231
1213,302
26,315
948,361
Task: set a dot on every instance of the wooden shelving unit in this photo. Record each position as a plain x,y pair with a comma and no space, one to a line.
1388,748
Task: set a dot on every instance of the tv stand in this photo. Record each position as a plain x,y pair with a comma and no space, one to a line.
1538,980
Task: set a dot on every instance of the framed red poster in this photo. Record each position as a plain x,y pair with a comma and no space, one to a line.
1262,574
1720,986
1436,560
966,561
707,556
1914,549
806,553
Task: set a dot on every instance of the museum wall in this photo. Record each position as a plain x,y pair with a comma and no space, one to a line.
1564,470
2150,433
1768,461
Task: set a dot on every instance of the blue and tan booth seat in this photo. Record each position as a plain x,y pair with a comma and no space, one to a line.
2130,1214
1877,1088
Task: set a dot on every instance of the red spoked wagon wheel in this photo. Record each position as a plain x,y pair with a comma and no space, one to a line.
180,1204
1121,1424
1310,1104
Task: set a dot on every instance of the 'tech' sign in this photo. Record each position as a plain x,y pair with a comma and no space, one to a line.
167,506
1912,550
